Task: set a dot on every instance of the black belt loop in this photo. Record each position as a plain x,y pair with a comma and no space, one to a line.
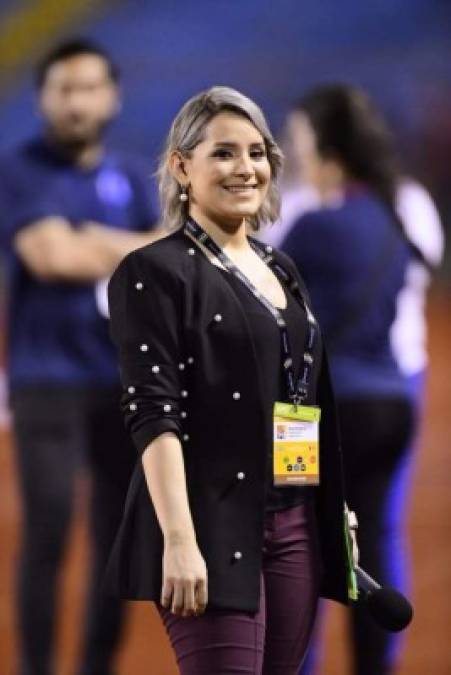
297,392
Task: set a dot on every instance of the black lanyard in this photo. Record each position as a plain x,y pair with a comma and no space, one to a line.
297,391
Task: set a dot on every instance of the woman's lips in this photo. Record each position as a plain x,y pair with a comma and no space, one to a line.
240,188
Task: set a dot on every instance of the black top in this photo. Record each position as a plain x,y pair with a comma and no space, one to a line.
189,366
266,338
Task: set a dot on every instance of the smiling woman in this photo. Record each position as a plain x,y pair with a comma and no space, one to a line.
212,330
228,175
221,142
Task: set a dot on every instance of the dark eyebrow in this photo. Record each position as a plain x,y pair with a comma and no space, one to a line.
229,144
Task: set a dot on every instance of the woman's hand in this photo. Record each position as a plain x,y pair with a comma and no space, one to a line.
184,588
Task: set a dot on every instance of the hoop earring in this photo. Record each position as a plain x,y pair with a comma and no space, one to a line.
183,196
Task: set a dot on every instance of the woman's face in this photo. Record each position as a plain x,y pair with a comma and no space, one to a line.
303,144
228,173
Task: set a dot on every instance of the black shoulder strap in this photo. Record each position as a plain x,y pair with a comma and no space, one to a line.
415,250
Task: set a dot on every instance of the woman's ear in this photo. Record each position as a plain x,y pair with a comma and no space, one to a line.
177,167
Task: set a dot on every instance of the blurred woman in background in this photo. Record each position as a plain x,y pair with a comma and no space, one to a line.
354,257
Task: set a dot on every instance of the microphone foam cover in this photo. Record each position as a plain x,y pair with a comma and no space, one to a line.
390,609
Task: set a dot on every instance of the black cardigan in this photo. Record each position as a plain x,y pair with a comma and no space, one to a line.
188,365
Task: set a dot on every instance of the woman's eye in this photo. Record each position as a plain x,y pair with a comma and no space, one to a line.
258,154
222,153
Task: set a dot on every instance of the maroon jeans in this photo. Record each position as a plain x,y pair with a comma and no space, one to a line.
272,641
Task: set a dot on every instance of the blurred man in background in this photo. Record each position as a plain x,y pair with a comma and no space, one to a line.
70,210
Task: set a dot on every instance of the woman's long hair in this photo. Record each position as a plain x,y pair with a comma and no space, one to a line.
350,130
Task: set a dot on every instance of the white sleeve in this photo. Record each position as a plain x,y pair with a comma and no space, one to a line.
421,220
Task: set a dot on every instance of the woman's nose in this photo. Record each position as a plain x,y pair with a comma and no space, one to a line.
244,168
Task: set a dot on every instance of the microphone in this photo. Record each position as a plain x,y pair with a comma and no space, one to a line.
388,607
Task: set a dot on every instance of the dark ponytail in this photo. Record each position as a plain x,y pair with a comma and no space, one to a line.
349,129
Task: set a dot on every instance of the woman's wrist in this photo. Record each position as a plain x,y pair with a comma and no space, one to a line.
180,536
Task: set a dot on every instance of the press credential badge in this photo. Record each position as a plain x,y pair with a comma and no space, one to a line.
296,444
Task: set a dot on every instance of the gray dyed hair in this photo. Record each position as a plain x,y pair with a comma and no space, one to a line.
188,130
